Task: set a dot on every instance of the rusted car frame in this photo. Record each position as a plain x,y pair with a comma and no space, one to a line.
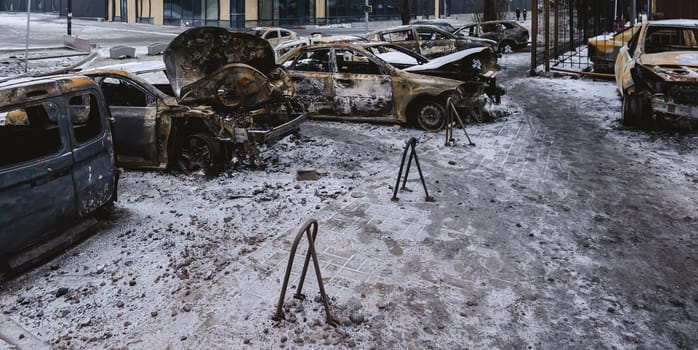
352,82
225,97
657,75
57,162
428,40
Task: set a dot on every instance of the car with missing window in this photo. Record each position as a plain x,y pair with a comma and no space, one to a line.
657,75
381,82
603,49
56,159
508,35
441,24
224,95
427,40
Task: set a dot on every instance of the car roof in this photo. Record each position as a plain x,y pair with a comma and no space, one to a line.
410,26
54,85
675,22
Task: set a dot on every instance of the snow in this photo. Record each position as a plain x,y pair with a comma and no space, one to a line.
530,243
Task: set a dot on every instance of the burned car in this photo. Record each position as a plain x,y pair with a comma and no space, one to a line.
427,40
657,75
603,49
381,82
225,96
509,35
56,161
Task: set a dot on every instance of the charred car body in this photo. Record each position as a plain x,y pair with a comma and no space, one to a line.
428,41
508,35
603,49
657,75
57,163
225,96
386,83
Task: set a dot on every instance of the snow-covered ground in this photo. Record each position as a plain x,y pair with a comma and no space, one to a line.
559,229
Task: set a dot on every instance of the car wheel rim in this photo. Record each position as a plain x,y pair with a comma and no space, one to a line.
431,118
195,155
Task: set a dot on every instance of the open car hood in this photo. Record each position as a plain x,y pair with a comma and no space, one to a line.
464,65
212,66
199,52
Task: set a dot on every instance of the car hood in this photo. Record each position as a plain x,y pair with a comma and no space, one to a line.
679,66
463,65
197,53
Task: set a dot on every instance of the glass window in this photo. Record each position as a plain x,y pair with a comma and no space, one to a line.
28,133
313,61
83,111
349,61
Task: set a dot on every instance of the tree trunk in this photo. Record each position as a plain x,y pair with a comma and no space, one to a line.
489,10
405,11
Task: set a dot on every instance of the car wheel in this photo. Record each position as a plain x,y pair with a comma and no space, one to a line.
506,46
635,111
431,116
200,153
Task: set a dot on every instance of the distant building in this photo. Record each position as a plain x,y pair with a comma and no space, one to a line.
664,9
242,13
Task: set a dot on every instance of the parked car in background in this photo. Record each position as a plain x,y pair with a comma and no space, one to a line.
427,40
657,75
274,35
509,35
56,158
371,82
225,96
603,49
440,24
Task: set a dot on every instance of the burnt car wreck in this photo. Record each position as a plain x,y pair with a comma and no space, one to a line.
382,82
56,164
657,75
225,96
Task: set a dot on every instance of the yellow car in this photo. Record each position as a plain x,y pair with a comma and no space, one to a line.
603,49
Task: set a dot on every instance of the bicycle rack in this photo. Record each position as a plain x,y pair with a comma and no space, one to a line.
453,116
410,145
310,230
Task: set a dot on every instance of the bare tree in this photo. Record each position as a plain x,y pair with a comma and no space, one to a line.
405,11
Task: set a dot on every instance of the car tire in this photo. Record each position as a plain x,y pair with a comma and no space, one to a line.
635,111
200,153
506,46
431,116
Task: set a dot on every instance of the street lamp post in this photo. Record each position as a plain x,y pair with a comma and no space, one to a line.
26,48
70,16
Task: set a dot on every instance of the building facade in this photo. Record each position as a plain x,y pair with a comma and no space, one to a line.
248,13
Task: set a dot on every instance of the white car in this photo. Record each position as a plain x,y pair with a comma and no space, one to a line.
274,35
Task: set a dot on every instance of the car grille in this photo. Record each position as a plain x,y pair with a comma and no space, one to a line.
684,94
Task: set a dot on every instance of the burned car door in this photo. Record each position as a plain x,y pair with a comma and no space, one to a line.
135,118
361,87
93,171
312,77
433,43
35,173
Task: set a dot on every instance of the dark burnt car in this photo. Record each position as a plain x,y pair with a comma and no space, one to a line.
225,96
381,82
428,40
509,35
56,160
657,75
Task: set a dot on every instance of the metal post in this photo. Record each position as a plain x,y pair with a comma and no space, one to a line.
534,36
546,16
70,16
633,14
366,15
26,49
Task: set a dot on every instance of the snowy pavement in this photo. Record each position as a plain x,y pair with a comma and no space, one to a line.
559,229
